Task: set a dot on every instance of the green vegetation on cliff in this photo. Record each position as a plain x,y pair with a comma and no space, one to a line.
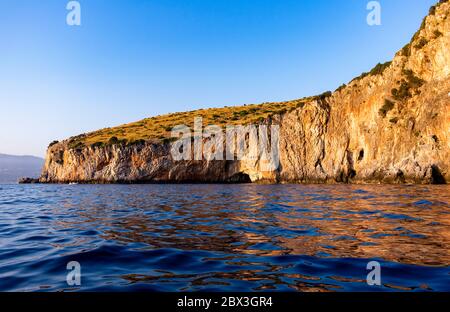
159,128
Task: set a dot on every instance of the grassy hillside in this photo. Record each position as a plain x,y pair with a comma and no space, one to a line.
158,128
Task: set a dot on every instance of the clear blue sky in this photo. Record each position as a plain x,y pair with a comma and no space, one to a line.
131,59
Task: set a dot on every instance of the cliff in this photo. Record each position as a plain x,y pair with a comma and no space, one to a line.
387,126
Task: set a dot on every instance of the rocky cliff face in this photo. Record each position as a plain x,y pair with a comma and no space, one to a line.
389,126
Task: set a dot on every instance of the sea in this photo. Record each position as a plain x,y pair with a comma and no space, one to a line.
215,237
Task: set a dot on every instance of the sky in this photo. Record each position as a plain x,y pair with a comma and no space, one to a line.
129,60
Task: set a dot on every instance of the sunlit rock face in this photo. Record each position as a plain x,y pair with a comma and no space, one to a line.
390,126
353,137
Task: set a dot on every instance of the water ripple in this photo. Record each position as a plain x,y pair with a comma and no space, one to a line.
224,238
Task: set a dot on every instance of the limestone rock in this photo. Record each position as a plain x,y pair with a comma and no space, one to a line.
390,126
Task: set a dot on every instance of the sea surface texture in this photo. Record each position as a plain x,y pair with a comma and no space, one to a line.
224,237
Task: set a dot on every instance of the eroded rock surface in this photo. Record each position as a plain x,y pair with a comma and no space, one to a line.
390,126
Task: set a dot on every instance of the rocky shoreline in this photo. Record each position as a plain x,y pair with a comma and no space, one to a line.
26,180
387,126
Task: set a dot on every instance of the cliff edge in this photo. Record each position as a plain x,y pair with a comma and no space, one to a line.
390,125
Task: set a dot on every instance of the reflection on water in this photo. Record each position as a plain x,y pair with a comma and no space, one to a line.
224,237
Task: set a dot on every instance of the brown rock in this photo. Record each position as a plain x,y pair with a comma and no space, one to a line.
391,126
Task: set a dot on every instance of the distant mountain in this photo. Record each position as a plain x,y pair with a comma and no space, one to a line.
14,167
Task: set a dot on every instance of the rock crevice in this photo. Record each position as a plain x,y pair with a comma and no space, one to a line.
387,126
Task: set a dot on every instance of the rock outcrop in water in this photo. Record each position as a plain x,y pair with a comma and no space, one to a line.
387,126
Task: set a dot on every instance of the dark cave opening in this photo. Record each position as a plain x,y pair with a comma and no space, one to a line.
436,176
240,178
361,155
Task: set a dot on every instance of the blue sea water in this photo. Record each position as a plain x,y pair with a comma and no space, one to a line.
224,237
